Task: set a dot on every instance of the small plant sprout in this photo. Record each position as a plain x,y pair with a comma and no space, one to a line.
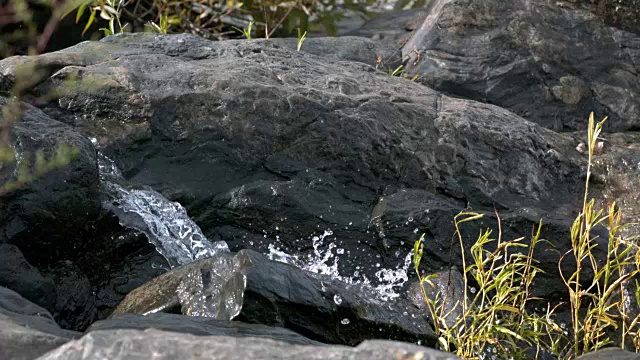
163,27
110,10
397,71
247,31
301,38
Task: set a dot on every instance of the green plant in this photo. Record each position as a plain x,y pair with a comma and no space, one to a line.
110,10
247,31
496,316
598,307
301,38
164,24
397,71
495,319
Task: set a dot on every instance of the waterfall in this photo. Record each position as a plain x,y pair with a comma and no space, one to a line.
166,223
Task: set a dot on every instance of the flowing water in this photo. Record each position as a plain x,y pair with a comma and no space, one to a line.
180,240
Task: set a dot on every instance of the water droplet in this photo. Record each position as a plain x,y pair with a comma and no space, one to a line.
345,321
337,299
472,289
410,219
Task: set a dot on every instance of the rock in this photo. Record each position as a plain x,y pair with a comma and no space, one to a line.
277,294
547,63
75,308
20,276
622,14
27,330
135,344
199,326
277,150
51,211
447,285
393,28
120,260
610,354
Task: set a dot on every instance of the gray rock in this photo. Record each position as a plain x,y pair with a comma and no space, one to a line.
27,330
278,294
51,211
133,345
610,354
20,276
266,146
76,305
199,326
550,64
447,289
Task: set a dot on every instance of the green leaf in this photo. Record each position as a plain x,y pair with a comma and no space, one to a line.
81,10
89,22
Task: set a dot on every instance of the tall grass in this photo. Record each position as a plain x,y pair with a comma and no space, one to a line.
495,320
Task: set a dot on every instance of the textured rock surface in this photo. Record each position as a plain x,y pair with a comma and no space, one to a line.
550,64
134,345
50,211
199,326
20,276
27,330
279,294
268,146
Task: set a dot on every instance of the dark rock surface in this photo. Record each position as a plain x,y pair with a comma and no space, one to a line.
27,330
199,326
447,285
278,294
20,276
75,308
268,146
134,345
550,64
51,211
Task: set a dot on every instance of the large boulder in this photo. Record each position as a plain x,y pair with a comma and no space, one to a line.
136,344
252,288
269,148
547,61
27,330
51,210
199,326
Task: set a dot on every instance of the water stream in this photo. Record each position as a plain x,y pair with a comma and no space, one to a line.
181,241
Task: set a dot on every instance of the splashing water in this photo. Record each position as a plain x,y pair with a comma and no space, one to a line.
325,262
166,224
180,240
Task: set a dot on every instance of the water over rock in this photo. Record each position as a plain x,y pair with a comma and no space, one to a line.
262,291
269,147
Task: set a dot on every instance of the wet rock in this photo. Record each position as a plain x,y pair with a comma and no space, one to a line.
277,294
550,64
199,326
51,211
75,308
27,330
134,344
269,148
447,289
20,276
